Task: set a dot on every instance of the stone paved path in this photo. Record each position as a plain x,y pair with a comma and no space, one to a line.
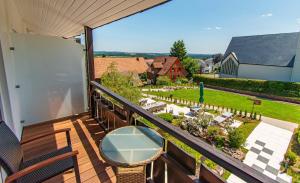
267,145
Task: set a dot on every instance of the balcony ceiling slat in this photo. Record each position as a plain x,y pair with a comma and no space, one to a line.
66,18
122,13
107,5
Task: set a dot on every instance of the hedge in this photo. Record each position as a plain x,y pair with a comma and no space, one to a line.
279,88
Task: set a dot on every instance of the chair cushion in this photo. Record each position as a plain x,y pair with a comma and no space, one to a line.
10,150
49,171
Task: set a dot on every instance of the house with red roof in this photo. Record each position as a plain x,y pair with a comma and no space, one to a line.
135,65
166,66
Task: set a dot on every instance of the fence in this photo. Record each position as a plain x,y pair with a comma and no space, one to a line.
239,112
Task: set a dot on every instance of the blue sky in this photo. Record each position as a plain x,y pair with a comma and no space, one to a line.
206,26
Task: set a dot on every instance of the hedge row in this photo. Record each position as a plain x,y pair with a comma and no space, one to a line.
285,89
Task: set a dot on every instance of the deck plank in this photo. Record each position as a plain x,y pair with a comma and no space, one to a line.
85,135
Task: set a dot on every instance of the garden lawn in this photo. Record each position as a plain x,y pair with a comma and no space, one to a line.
247,128
269,108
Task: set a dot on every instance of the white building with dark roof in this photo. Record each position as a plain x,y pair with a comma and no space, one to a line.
267,57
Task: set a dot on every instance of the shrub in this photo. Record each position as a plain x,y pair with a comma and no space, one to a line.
166,116
203,120
285,89
236,138
213,131
182,80
163,80
220,141
291,158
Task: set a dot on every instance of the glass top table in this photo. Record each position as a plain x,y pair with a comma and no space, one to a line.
131,146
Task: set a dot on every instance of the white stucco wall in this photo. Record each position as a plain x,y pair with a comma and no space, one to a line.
51,75
10,21
264,72
296,69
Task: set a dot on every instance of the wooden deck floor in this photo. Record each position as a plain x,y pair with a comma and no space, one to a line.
85,136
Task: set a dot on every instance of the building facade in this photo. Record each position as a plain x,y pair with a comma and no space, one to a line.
274,57
166,66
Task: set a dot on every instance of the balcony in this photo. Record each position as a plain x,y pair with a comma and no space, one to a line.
43,80
88,130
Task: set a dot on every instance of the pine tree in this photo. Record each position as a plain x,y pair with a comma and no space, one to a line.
178,50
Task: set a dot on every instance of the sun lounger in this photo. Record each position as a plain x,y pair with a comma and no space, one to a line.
219,119
227,115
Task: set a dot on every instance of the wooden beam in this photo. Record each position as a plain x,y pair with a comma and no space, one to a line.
90,69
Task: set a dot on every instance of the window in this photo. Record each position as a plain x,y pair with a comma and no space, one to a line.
229,67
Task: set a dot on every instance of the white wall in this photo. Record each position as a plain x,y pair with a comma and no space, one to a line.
53,67
10,21
264,72
296,69
51,75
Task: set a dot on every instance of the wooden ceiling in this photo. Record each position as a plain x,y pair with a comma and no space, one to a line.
66,18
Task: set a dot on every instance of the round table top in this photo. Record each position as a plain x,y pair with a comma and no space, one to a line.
131,146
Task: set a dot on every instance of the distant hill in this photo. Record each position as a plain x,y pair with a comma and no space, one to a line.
145,55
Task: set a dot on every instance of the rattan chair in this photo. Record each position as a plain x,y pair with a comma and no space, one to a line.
38,169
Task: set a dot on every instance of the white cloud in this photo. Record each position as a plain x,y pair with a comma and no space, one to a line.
213,28
267,15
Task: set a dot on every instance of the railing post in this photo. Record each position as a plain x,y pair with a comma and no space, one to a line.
89,56
129,115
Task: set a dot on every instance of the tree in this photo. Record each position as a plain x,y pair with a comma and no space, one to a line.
122,84
218,58
178,50
191,65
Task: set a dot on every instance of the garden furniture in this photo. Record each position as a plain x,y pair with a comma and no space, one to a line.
227,115
219,119
38,169
129,149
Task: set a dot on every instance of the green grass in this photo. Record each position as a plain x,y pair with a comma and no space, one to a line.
247,128
269,108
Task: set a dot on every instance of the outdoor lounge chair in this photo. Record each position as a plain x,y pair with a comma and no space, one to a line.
227,115
38,169
219,120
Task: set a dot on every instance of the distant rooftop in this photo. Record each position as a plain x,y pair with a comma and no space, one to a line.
271,49
166,62
135,65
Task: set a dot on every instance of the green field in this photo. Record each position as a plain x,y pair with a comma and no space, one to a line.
269,108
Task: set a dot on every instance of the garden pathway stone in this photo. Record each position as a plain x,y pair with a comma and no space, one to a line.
267,145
